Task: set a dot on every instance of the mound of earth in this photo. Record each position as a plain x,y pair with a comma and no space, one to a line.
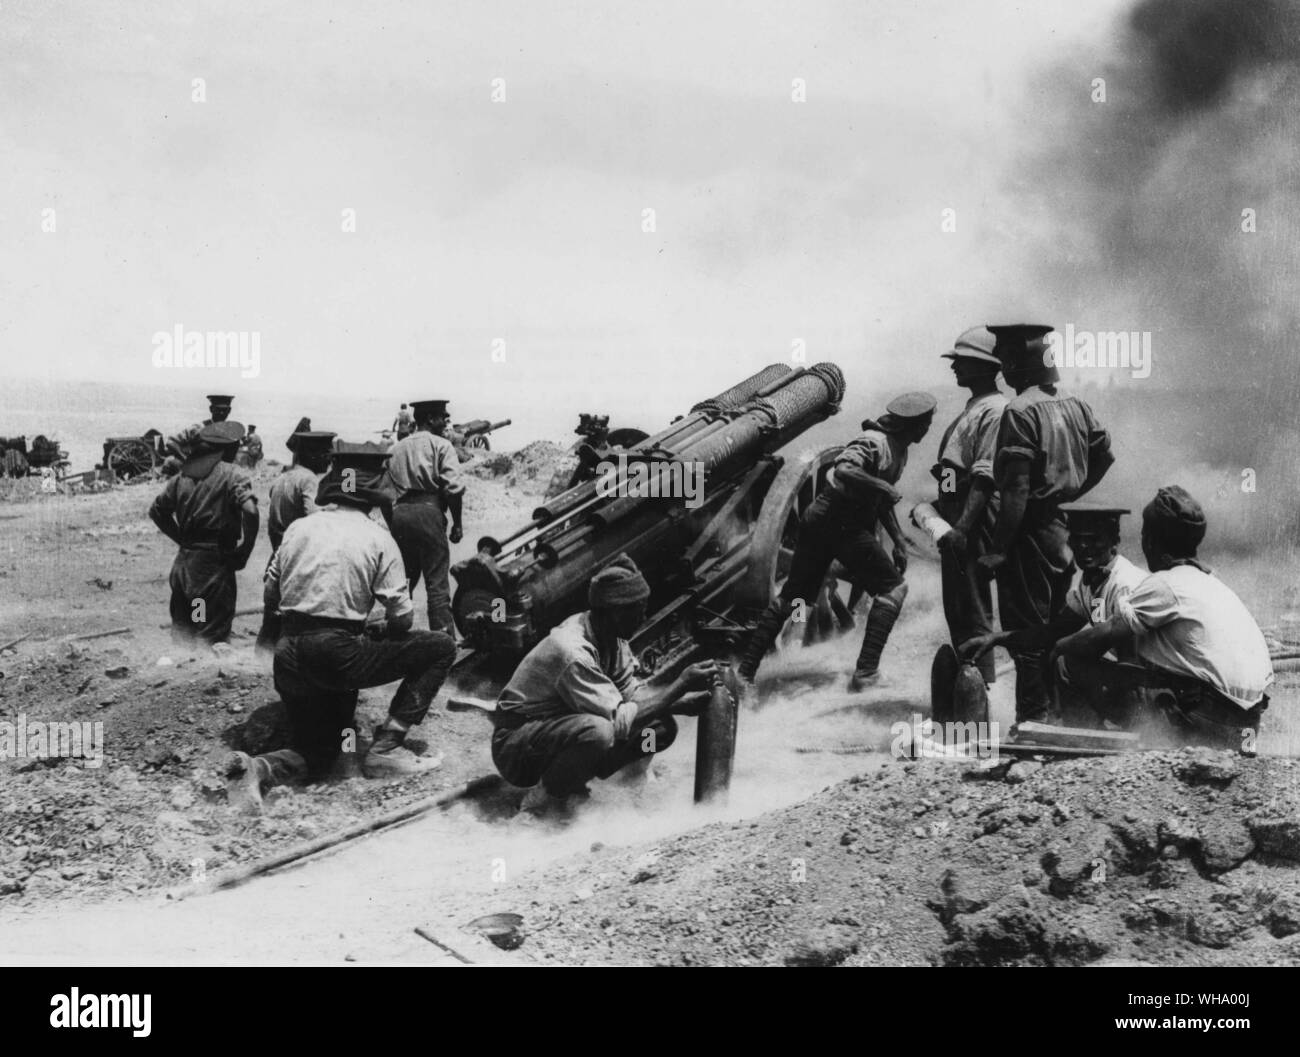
1178,857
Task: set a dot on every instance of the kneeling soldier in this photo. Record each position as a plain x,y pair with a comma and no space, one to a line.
329,572
574,709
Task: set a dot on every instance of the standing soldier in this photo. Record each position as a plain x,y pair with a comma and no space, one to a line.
1051,450
293,496
842,524
209,511
252,447
1105,578
180,445
330,571
426,474
967,499
402,424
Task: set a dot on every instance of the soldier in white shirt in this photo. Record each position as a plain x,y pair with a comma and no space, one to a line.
1103,578
330,571
1201,668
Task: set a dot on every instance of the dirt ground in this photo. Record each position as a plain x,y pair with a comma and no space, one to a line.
829,851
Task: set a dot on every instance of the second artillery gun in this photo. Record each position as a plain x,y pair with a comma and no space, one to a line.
714,563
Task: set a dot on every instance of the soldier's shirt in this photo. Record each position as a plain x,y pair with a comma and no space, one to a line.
876,453
1059,435
207,510
1190,622
1097,605
971,441
293,496
425,462
565,674
338,563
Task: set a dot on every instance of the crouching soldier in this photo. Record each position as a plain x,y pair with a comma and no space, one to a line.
1104,579
574,709
208,510
328,573
1200,662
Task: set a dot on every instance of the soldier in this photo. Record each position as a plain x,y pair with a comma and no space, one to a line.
330,571
1051,450
293,496
425,472
1104,579
574,711
252,447
967,499
209,511
1200,662
842,523
180,445
402,424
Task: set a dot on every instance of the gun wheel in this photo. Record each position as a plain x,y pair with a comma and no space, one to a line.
129,459
480,441
776,533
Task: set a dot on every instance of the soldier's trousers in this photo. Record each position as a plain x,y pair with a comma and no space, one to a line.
967,596
566,752
832,531
420,529
1032,585
318,673
203,596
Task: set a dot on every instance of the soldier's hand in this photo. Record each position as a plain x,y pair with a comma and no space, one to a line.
700,676
953,541
989,564
900,558
456,534
692,704
973,649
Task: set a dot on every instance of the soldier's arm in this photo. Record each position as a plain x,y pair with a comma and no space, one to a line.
1097,640
163,512
1100,458
453,489
271,585
1015,498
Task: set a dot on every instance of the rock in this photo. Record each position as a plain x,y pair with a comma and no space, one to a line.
159,755
10,885
1022,770
1203,765
1225,842
182,798
584,893
821,947
71,873
121,671
1276,834
234,708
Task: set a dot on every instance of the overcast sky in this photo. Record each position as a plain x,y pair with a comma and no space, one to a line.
519,220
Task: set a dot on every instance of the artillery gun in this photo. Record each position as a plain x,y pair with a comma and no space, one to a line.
597,441
472,437
17,458
714,560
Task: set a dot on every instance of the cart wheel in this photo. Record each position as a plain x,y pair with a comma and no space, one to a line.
129,459
776,532
480,441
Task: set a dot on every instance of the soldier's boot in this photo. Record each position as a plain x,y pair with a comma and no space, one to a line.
245,776
388,756
760,640
880,622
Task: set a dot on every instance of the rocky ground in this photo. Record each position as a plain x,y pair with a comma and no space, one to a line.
1164,858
